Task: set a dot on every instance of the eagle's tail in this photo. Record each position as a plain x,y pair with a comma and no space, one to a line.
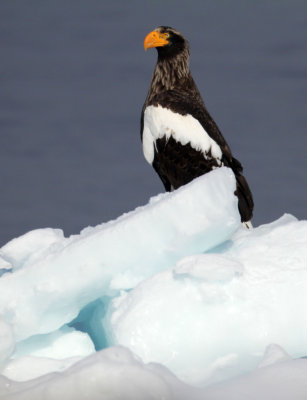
246,202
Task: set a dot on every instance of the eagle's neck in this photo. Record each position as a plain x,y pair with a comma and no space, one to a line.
170,72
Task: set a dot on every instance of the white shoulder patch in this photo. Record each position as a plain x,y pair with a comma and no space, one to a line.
159,122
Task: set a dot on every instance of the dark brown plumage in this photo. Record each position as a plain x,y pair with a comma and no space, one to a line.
173,145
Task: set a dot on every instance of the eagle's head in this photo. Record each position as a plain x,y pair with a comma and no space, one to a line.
168,42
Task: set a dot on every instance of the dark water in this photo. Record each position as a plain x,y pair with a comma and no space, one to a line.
74,76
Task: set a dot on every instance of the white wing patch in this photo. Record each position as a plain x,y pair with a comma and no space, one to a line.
159,122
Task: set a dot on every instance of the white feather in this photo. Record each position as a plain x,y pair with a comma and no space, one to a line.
160,121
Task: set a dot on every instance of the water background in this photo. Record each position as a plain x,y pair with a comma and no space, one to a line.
73,79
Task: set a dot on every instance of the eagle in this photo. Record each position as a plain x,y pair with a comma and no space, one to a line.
179,137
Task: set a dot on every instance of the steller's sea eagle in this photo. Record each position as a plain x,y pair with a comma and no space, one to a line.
180,139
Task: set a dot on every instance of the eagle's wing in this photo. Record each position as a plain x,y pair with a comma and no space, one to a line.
189,101
189,163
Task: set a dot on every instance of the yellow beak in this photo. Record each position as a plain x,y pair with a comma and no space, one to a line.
155,39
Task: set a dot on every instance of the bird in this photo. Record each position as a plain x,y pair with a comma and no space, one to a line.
179,137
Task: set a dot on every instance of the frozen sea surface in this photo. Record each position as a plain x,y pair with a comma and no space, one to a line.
173,300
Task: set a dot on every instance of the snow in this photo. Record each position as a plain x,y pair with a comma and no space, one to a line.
273,354
42,296
31,247
7,342
173,300
116,373
247,291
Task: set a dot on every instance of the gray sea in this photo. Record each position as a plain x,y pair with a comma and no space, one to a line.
74,76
